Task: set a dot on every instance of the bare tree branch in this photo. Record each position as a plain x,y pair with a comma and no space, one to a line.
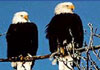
84,49
90,43
90,48
25,59
91,34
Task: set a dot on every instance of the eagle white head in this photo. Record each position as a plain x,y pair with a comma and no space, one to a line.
20,17
65,7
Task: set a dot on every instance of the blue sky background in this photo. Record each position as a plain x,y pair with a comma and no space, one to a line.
41,13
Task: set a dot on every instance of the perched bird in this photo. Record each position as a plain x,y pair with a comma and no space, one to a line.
65,33
22,40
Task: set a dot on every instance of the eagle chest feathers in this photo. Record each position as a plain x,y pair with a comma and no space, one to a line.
21,38
65,27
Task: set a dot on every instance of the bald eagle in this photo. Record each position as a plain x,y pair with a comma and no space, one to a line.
22,40
65,29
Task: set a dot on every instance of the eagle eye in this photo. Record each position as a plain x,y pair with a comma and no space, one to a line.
66,5
21,15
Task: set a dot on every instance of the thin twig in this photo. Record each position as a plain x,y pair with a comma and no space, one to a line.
91,34
97,35
93,63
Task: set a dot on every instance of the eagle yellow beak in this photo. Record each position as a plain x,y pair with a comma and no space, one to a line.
72,7
26,17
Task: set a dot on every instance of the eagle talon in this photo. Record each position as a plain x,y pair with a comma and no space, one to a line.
21,58
62,51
